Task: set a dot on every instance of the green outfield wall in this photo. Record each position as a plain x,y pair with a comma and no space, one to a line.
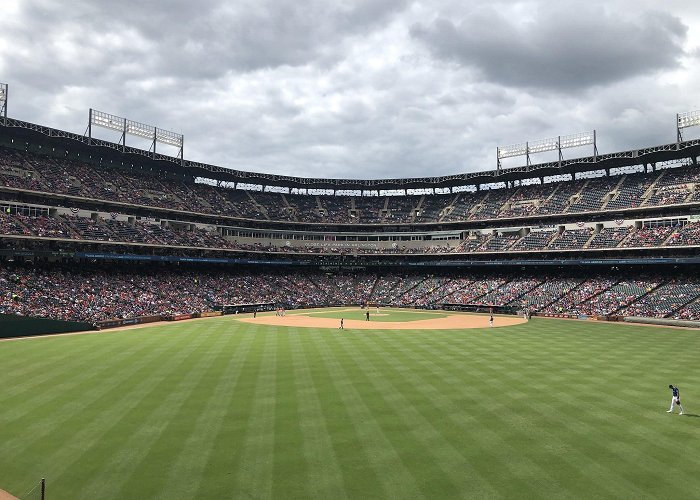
23,326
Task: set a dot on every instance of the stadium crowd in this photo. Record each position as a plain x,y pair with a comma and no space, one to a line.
141,186
91,294
175,234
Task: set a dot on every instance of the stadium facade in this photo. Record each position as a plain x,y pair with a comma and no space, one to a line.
606,236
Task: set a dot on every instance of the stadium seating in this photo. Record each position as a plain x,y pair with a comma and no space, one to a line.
609,237
571,239
138,186
93,293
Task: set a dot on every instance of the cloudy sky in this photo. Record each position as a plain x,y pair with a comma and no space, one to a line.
357,88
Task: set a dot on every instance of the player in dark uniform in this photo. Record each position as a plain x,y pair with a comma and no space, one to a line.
367,316
675,400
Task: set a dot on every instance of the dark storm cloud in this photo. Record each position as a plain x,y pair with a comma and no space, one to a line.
567,46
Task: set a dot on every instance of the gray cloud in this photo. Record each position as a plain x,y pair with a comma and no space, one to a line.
359,88
567,46
193,40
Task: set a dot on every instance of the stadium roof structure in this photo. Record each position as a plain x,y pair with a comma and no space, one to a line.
90,147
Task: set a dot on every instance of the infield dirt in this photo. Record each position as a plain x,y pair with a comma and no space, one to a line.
450,322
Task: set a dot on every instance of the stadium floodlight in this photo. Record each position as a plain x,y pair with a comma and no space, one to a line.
577,140
138,129
3,102
685,120
512,150
554,144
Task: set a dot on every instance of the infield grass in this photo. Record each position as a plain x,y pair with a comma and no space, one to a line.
219,409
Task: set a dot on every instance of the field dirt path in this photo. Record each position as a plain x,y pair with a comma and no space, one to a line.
6,496
451,322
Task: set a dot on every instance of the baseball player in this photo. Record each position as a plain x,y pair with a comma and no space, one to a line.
675,400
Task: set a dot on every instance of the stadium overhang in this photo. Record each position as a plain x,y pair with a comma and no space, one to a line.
24,135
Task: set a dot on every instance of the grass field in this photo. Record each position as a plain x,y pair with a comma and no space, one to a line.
218,409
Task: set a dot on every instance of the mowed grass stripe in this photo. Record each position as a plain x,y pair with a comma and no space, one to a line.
547,409
154,414
633,441
179,418
481,425
290,468
83,461
447,472
46,443
585,430
225,460
461,409
186,474
360,477
42,375
62,380
324,475
254,475
391,471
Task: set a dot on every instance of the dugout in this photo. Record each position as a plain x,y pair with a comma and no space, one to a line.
244,308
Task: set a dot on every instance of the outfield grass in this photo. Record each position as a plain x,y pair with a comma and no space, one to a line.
218,409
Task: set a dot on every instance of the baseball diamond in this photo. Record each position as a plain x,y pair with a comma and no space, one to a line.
343,285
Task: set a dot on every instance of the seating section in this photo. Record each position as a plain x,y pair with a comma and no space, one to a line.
491,205
571,239
570,302
128,291
140,186
609,237
550,291
593,195
686,235
536,240
471,290
560,199
666,299
630,192
614,298
690,311
526,200
510,293
499,243
647,237
431,208
12,225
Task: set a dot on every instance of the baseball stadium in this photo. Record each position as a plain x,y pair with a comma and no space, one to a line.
173,329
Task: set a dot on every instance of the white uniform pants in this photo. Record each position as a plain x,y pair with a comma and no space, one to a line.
673,403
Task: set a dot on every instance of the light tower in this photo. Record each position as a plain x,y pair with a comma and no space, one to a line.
3,103
138,129
554,144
